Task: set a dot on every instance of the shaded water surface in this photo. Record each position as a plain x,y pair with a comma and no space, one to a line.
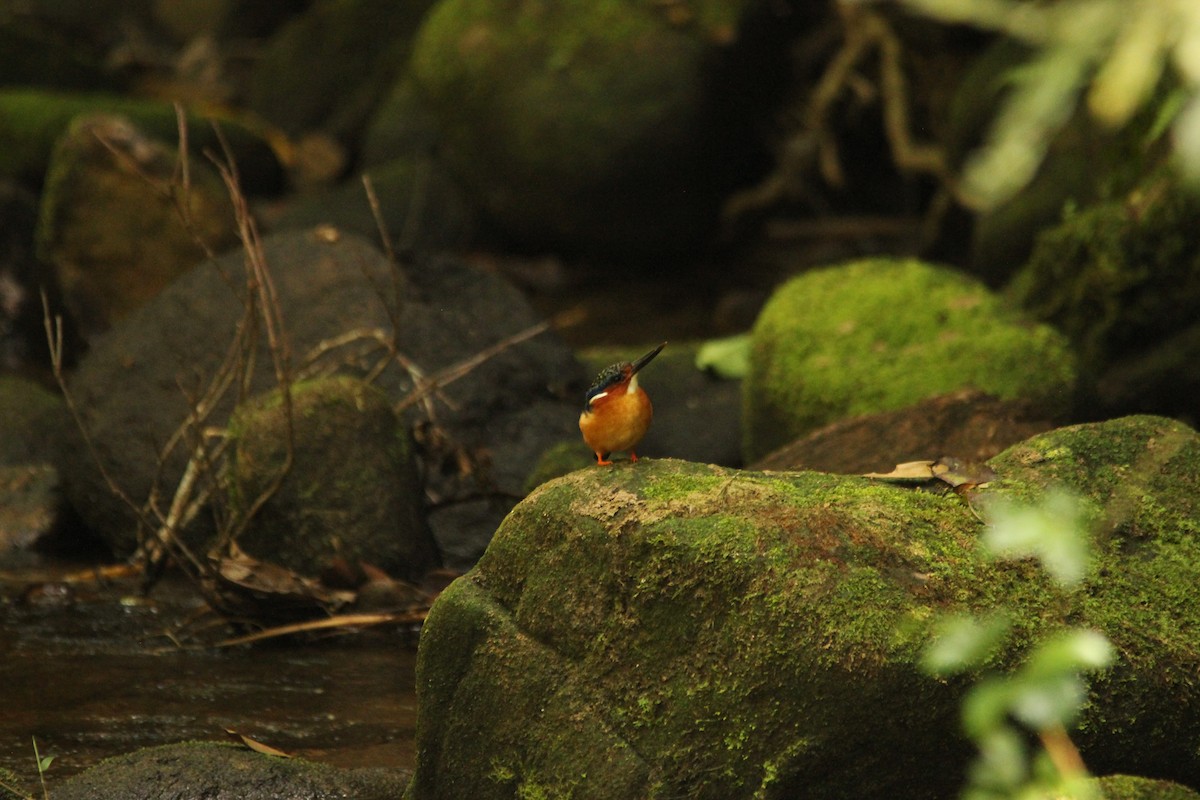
90,676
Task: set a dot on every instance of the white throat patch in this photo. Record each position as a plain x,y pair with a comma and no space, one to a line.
632,385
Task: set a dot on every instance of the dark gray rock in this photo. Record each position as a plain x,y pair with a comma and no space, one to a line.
488,430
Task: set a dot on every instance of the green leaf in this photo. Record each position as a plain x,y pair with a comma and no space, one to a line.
986,706
728,358
1052,531
1002,760
1053,700
962,642
1073,650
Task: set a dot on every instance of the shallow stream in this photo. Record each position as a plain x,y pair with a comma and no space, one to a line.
87,671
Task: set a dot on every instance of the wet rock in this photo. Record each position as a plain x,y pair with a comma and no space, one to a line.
1121,279
588,126
968,425
490,425
881,334
351,491
109,232
207,771
674,629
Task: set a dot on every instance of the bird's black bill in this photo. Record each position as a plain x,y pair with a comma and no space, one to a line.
646,359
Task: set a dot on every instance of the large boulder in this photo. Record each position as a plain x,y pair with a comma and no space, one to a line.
587,125
490,426
667,629
881,334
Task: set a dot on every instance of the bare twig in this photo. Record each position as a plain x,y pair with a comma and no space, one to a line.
348,621
455,371
53,325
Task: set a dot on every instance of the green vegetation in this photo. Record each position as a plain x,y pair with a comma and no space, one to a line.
1120,53
1046,693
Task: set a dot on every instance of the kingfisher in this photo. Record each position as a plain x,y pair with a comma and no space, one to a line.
616,411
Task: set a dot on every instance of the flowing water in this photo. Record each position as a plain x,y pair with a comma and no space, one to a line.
88,672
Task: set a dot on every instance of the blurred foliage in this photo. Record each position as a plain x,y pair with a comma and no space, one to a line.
1045,693
727,358
1111,54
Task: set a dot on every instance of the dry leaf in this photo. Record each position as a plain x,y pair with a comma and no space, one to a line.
256,745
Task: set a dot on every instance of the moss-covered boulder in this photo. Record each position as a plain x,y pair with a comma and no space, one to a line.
194,770
669,629
329,67
108,226
584,125
881,334
1122,279
32,120
351,491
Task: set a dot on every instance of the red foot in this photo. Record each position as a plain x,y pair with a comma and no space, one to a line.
601,462
632,456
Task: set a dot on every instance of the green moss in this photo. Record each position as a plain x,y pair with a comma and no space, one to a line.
557,461
1118,275
365,503
1131,787
881,334
591,108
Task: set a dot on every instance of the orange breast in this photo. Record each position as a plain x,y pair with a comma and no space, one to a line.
617,422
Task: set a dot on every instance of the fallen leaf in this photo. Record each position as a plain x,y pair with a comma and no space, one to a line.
256,745
908,471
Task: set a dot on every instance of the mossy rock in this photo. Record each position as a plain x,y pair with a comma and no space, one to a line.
579,125
207,769
112,237
352,491
881,334
32,120
1132,787
669,629
329,67
1122,279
